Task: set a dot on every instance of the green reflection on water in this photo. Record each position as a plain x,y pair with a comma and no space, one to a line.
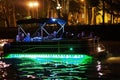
75,65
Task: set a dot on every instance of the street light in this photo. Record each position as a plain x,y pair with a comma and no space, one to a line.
82,0
34,5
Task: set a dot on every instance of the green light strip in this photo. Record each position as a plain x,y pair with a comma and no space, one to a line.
46,58
19,55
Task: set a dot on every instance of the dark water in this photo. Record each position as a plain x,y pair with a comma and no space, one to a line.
37,68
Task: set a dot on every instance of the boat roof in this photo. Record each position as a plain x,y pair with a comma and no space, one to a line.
42,21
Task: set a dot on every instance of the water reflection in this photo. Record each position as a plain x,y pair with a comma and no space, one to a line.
27,68
7,71
48,68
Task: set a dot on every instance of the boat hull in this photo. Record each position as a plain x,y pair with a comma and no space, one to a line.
61,46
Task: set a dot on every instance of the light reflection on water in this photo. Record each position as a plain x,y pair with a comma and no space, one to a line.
53,69
49,69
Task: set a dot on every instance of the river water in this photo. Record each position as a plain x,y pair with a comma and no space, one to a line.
80,67
58,67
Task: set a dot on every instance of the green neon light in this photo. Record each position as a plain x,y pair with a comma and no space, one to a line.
71,49
19,55
62,58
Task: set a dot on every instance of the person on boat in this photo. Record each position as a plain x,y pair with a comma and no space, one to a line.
27,38
82,34
55,34
79,35
91,35
17,38
21,37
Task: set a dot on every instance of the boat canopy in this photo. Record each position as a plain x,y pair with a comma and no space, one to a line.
42,23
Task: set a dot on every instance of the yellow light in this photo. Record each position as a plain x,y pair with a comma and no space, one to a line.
33,4
82,0
30,4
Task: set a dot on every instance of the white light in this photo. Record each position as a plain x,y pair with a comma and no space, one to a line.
2,44
100,48
53,19
58,7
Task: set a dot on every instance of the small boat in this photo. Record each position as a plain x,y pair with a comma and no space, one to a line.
45,40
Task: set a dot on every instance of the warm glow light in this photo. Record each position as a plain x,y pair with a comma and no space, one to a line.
3,42
33,4
30,4
100,48
82,0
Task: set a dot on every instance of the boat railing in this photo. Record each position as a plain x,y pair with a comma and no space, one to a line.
59,46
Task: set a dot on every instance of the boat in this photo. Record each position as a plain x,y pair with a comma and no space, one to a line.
46,41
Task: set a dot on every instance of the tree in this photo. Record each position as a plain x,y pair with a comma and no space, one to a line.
113,8
93,9
63,11
7,12
74,8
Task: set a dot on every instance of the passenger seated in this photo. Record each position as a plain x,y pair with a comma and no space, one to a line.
55,34
91,35
82,34
21,37
27,38
17,38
